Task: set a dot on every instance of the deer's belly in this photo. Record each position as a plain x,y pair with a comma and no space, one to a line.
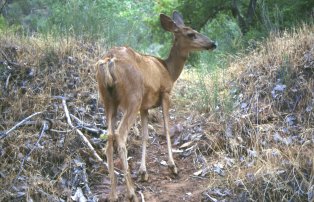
151,100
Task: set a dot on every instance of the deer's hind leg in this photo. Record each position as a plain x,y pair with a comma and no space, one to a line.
111,112
127,121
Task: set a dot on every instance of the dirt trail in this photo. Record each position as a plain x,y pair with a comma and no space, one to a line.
161,186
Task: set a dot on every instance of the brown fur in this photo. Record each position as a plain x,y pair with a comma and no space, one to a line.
131,82
135,75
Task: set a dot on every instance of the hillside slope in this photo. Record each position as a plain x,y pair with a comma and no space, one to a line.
260,149
269,134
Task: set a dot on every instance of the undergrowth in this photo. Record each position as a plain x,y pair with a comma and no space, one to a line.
35,71
263,103
259,116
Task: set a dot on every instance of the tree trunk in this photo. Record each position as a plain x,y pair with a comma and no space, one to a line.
244,22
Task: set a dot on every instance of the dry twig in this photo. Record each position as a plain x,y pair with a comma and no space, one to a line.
85,140
90,146
88,127
142,196
19,124
7,81
44,128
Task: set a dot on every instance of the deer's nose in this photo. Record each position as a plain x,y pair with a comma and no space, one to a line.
212,45
215,45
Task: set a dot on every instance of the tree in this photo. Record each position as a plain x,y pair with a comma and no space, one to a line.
250,14
2,5
201,12
244,21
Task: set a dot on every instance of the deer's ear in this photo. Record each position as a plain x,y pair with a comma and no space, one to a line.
167,23
178,19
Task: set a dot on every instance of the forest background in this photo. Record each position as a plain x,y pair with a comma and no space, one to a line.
236,24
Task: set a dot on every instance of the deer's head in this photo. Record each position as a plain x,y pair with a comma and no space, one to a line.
185,37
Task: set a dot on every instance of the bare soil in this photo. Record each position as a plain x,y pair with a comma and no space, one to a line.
162,185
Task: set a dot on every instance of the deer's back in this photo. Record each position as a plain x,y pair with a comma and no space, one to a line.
138,78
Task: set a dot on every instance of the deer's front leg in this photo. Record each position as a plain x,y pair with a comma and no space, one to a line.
144,119
165,110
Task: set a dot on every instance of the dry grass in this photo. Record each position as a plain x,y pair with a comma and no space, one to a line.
274,117
33,71
269,134
263,144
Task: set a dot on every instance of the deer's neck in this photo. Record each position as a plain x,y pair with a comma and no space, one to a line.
175,61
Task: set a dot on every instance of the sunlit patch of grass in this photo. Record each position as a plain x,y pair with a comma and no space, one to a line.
203,90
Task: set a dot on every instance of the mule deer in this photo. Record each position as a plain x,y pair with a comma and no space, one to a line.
133,82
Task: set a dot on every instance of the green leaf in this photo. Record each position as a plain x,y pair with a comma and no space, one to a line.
103,136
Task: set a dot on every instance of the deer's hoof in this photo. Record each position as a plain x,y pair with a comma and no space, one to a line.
173,168
143,176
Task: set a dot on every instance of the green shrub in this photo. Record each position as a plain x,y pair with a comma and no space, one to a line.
3,23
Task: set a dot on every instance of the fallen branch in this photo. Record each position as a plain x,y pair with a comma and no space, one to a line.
44,128
37,123
85,140
19,124
60,131
88,127
80,122
90,146
142,196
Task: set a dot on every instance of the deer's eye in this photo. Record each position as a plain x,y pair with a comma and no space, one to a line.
191,35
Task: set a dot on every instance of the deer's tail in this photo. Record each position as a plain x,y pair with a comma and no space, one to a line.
104,71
